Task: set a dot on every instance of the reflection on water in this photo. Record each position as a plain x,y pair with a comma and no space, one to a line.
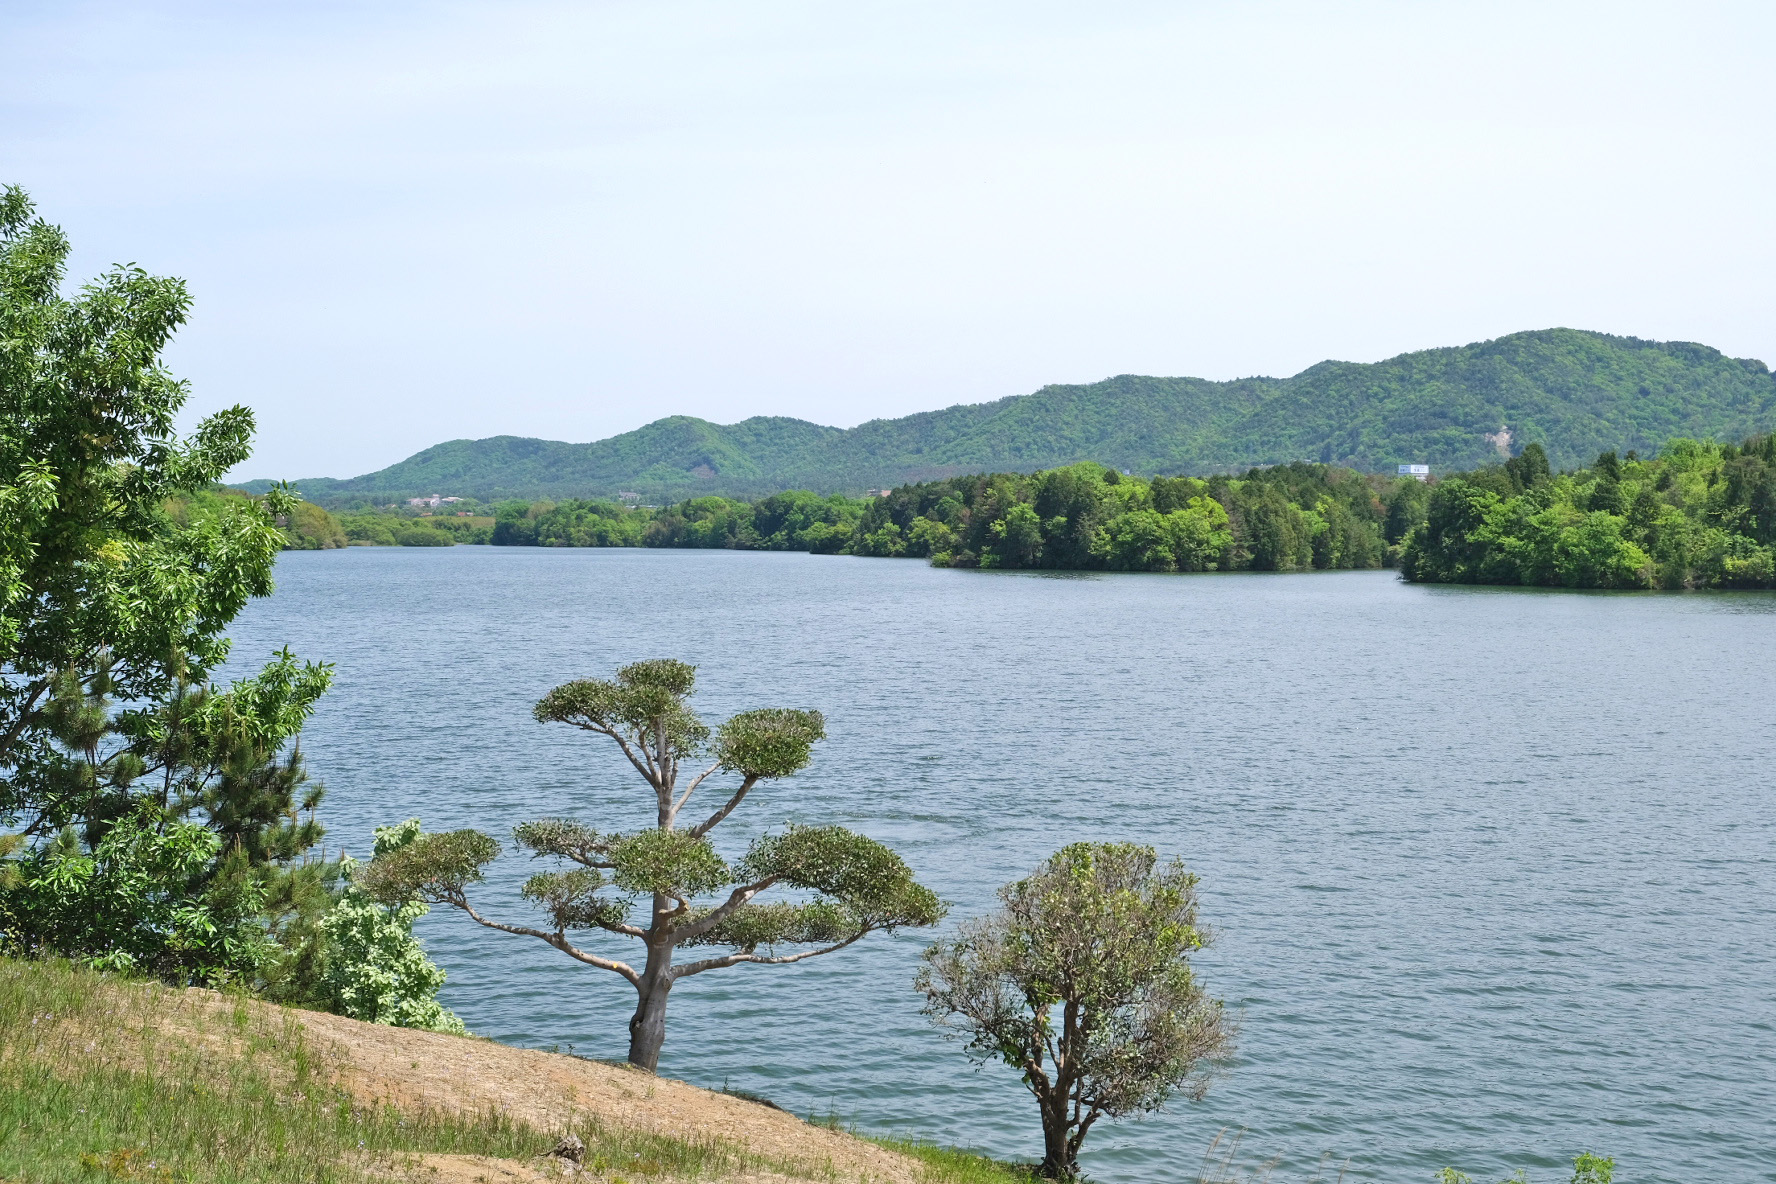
1492,868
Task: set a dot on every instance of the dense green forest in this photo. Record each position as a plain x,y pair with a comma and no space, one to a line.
1084,516
1699,515
1575,393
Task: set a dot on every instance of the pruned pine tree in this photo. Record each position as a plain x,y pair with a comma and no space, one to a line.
645,884
1082,982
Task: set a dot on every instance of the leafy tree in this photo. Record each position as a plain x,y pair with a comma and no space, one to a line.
643,885
1407,504
1016,539
310,528
1281,534
145,898
930,538
376,970
885,542
1529,468
141,793
1137,541
1082,983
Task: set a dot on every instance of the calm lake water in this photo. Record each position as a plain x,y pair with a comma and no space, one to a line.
1494,871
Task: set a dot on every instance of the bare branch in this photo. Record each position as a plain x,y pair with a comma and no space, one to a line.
558,940
715,819
692,788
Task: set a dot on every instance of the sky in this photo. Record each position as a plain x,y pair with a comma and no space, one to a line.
404,223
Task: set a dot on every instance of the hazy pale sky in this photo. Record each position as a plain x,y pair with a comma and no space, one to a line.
405,223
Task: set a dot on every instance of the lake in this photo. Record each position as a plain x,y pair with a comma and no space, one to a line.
1493,870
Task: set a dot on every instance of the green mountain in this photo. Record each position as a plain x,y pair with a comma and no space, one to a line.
1576,393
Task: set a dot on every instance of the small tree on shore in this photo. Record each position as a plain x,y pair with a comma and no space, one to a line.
643,885
1082,982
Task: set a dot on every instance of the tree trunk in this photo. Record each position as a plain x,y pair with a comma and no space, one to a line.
1059,1161
647,1027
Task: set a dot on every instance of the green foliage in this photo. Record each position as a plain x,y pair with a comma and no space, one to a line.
1699,515
1593,1169
1294,517
307,527
671,862
432,868
770,742
422,536
376,970
792,521
571,899
570,524
1082,983
1574,393
1084,516
93,571
164,821
645,703
752,926
147,898
858,873
561,837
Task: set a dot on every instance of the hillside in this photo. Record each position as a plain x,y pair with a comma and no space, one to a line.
103,1078
1577,393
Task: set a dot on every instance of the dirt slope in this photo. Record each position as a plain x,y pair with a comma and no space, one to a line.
427,1070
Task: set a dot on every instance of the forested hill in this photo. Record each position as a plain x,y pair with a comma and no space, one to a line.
1576,393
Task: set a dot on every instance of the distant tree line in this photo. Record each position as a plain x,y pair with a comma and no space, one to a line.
1084,516
1700,515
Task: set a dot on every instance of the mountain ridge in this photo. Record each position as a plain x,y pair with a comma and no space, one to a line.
1575,392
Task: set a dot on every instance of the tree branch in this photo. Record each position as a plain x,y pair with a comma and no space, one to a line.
714,819
27,712
622,743
691,788
686,969
557,939
723,911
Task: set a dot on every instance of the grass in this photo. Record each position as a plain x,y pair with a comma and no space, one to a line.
105,1080
959,1167
94,1089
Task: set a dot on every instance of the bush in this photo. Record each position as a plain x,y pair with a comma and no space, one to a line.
376,970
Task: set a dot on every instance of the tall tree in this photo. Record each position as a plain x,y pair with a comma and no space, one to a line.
112,613
1082,983
644,885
